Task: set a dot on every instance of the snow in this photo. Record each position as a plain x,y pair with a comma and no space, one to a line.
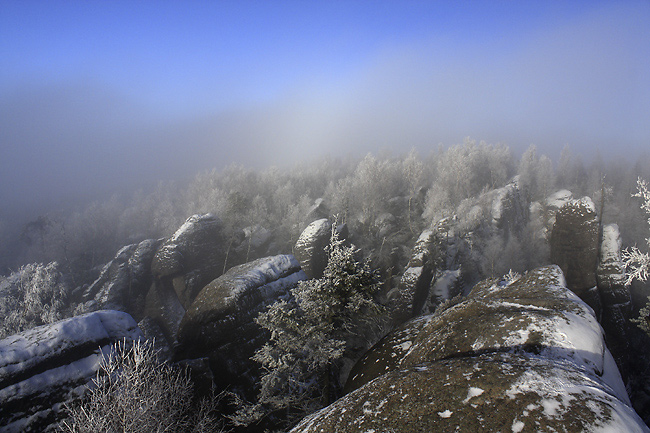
611,245
517,426
559,198
441,288
473,392
55,362
563,389
21,351
314,230
446,414
269,271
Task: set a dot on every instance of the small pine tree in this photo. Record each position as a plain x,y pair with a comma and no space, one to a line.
309,333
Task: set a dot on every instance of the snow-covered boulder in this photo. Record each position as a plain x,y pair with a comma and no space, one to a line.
124,282
220,322
181,267
523,355
45,367
310,247
574,247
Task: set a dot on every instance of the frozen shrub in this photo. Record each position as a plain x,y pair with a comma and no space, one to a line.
34,295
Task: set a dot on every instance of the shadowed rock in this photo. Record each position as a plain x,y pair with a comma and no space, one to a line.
220,322
124,282
616,298
574,247
181,267
310,247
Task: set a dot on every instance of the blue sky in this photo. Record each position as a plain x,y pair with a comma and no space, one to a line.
108,94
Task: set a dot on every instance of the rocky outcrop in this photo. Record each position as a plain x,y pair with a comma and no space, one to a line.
517,355
431,275
220,322
310,247
181,267
192,257
124,282
574,247
509,207
487,393
319,210
615,296
45,367
407,300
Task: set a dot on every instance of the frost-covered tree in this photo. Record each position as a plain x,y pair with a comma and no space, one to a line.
135,392
309,333
637,263
34,295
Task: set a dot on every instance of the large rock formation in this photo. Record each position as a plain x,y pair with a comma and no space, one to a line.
220,322
181,267
45,367
574,247
407,300
522,355
615,296
310,247
509,207
430,276
124,282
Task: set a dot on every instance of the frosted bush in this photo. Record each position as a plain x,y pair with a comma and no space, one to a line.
34,295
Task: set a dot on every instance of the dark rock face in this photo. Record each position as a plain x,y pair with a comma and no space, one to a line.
124,281
47,366
220,322
310,247
518,355
386,355
192,257
574,247
407,299
615,296
181,267
509,207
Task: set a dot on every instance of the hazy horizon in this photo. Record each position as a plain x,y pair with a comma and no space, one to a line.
102,96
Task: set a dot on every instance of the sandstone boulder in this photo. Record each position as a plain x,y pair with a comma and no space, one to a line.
124,282
310,247
615,296
220,322
45,367
523,354
503,392
574,247
407,299
181,267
